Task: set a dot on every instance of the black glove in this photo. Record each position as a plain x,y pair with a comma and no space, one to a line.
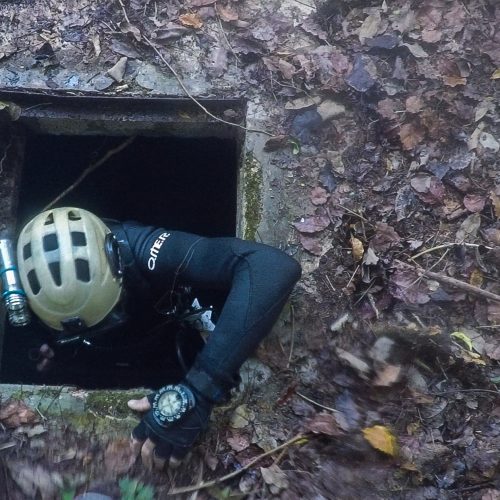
173,439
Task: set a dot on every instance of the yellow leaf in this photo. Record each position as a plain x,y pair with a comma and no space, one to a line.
191,20
382,439
463,338
496,74
357,249
476,278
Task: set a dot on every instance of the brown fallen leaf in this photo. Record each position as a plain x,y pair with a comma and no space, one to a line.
319,196
238,442
411,135
191,20
323,423
312,224
275,478
312,244
382,439
495,200
15,413
385,237
119,457
226,13
357,249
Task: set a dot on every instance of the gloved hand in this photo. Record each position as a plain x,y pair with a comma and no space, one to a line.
164,442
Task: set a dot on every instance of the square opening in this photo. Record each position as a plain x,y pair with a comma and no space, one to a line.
180,171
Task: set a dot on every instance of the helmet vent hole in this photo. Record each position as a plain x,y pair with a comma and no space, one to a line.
50,242
33,282
73,216
78,239
82,270
55,270
49,220
27,251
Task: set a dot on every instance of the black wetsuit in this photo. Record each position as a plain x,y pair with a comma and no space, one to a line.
254,279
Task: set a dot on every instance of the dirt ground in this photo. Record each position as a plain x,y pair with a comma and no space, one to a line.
386,131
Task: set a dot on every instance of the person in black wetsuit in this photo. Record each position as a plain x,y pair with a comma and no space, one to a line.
86,278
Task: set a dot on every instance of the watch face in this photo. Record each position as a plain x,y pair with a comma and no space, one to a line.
171,402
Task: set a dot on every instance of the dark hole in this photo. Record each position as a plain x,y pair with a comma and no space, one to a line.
33,281
27,251
55,271
50,242
78,239
179,184
49,220
82,270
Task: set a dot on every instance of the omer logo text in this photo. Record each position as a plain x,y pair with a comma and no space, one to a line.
155,248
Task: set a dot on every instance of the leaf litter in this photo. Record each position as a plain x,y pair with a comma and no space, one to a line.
391,112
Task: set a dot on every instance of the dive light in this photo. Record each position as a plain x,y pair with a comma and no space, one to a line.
13,294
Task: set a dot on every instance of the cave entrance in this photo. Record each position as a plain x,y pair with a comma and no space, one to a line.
162,162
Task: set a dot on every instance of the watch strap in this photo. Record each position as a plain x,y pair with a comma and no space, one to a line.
205,385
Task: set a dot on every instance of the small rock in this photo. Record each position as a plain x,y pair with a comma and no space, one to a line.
489,142
118,70
102,82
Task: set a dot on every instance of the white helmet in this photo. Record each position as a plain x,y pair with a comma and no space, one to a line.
66,270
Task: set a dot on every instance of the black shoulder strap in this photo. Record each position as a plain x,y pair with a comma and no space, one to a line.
133,279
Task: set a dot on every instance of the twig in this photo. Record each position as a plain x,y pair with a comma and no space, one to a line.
124,12
316,403
447,280
230,47
292,341
446,245
208,484
90,169
452,391
198,103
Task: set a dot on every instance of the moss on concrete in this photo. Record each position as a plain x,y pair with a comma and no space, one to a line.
111,403
252,196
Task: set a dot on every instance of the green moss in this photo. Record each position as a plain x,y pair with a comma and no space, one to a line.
252,196
111,403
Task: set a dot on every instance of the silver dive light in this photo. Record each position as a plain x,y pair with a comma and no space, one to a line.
13,294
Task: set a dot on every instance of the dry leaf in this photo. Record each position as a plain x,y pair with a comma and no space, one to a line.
16,413
119,457
319,196
413,104
191,20
118,70
357,249
453,81
311,244
385,237
238,442
496,74
495,200
323,423
474,202
226,13
312,224
411,134
388,375
274,476
468,229
382,439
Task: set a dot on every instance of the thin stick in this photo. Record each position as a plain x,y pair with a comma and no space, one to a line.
292,342
208,484
316,403
198,103
124,12
90,169
452,391
447,280
446,245
230,47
